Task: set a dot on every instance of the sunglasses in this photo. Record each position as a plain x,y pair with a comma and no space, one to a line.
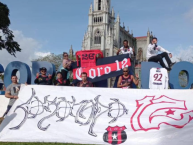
65,55
43,71
125,71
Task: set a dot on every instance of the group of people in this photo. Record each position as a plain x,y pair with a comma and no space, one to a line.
62,78
155,53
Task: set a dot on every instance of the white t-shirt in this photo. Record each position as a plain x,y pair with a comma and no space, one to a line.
151,52
158,78
129,51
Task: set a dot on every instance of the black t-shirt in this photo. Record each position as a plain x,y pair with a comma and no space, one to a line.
43,80
88,84
60,82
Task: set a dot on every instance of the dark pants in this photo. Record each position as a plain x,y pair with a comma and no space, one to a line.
7,111
159,58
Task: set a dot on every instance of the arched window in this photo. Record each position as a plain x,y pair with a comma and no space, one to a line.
140,55
97,37
120,42
99,5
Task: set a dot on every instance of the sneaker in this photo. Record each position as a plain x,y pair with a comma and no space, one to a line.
168,69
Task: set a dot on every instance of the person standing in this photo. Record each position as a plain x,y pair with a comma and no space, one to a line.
126,80
126,49
153,56
84,82
12,92
42,78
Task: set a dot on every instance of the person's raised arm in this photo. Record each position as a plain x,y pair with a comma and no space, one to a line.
36,81
118,51
136,82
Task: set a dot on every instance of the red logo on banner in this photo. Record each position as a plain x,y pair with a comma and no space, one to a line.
100,70
151,113
115,135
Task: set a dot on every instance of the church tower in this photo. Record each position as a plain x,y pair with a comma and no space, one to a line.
100,27
71,52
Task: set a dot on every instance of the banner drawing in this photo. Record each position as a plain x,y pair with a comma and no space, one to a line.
100,116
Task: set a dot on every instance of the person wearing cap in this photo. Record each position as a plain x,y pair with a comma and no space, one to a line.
42,78
60,81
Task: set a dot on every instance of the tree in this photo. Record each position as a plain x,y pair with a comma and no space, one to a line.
6,40
52,58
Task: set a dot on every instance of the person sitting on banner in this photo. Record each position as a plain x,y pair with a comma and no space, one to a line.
84,82
126,49
12,92
125,81
66,66
60,81
153,56
42,78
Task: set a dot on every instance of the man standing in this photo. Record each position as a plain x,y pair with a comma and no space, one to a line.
12,92
126,49
43,79
153,56
84,82
126,80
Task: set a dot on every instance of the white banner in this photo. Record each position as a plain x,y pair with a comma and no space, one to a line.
100,116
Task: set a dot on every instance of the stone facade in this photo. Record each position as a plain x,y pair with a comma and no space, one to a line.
106,33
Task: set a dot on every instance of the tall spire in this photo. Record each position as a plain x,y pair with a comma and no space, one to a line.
128,29
113,12
123,25
118,17
71,52
91,9
148,33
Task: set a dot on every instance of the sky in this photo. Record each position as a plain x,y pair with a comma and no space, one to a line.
42,27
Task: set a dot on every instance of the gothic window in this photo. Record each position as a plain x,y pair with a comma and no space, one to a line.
140,55
120,42
97,37
99,5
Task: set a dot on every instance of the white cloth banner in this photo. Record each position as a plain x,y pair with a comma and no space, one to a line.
100,116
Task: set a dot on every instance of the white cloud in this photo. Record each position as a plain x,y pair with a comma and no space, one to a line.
189,15
42,54
31,49
185,54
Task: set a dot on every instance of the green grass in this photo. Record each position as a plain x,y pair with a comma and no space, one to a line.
2,143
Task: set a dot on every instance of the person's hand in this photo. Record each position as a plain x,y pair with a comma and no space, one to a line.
126,85
15,97
49,75
137,76
133,50
37,75
26,84
170,55
119,50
